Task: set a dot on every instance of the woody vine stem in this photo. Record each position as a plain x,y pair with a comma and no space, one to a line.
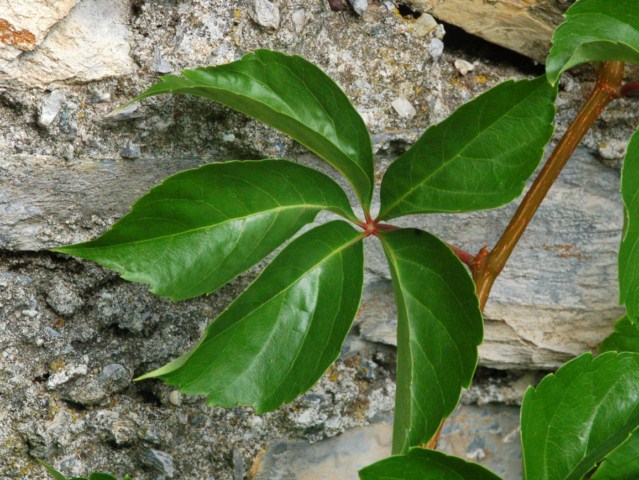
488,264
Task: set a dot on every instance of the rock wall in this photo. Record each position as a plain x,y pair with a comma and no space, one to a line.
72,335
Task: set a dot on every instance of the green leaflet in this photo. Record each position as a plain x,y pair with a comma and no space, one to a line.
94,476
476,159
576,417
629,250
439,328
595,30
200,228
624,339
284,331
622,463
294,96
427,465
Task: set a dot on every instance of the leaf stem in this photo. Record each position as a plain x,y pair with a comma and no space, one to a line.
607,89
630,89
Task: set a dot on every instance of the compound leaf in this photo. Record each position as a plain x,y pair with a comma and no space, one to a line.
200,228
629,250
576,417
279,336
622,463
294,96
476,159
439,328
624,339
425,464
595,30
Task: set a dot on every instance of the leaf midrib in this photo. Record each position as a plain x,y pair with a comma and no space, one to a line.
192,231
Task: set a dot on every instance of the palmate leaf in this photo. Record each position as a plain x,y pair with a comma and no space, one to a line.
476,159
280,335
201,228
439,328
622,463
629,250
576,417
595,30
294,96
624,339
424,464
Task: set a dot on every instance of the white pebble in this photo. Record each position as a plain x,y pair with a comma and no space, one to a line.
463,66
404,108
436,48
175,398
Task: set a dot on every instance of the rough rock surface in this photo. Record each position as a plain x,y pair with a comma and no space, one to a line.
72,335
524,26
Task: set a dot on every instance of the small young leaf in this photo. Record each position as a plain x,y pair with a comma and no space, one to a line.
476,159
280,335
200,228
293,95
94,476
622,463
624,339
439,328
427,465
595,30
576,417
629,250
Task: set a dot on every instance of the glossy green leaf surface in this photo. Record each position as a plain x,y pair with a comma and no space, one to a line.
422,464
622,463
629,250
625,338
439,328
576,417
200,228
478,158
293,95
595,30
279,336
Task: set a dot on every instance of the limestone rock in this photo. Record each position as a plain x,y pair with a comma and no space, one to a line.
524,26
25,23
267,14
91,43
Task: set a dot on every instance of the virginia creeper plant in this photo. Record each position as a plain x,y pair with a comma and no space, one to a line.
199,229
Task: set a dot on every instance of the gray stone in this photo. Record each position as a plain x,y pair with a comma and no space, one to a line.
160,65
130,151
298,17
161,461
436,48
359,6
267,14
340,457
50,108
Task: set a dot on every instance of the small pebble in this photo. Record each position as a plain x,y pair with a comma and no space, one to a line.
436,48
360,6
131,150
39,342
267,14
175,398
424,25
50,108
463,66
404,108
338,5
159,65
130,112
299,19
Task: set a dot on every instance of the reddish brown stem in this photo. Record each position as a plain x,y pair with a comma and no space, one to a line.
607,89
488,265
630,89
463,255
